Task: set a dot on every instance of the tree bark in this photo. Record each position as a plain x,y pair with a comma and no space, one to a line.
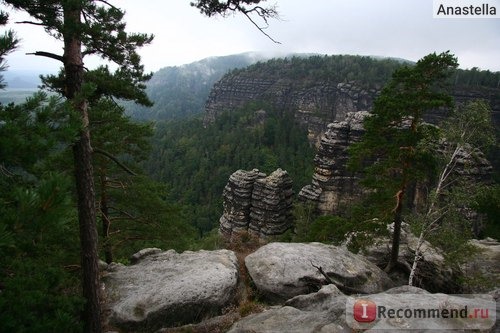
106,223
82,155
396,235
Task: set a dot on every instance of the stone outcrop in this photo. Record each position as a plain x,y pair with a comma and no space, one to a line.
283,270
333,186
237,201
330,311
165,289
314,105
316,102
257,204
433,272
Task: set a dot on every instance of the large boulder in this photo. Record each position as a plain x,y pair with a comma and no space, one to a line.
165,289
283,270
433,272
330,311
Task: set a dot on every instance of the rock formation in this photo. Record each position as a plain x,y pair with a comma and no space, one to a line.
258,204
237,201
283,270
333,186
313,105
163,289
329,310
433,273
316,102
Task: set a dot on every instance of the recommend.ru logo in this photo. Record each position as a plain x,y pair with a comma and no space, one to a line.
421,311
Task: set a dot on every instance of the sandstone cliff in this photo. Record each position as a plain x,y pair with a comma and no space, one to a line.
334,187
259,205
317,95
314,105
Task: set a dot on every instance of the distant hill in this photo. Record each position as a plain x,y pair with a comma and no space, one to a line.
181,91
21,79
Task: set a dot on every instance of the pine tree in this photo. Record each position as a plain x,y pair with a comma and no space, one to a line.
390,152
8,43
87,28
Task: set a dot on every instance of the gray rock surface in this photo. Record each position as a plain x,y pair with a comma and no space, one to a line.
333,186
272,200
281,271
168,289
328,310
314,105
315,102
257,204
482,271
433,273
237,201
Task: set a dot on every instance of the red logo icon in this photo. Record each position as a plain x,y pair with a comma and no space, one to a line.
365,311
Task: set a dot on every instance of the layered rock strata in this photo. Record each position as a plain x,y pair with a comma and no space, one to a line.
237,201
333,186
314,105
258,204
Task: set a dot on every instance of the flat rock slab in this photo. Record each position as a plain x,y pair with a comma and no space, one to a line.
329,311
283,270
168,289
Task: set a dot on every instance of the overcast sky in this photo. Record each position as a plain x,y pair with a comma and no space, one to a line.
395,28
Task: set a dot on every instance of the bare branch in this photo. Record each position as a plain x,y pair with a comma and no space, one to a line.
107,3
338,284
47,55
216,7
261,29
30,22
114,159
5,171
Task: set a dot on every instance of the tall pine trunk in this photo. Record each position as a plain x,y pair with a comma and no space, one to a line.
396,235
82,155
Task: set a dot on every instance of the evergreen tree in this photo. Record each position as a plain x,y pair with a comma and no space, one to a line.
37,234
87,28
467,130
390,151
8,43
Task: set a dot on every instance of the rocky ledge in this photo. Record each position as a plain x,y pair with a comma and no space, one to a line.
162,291
330,311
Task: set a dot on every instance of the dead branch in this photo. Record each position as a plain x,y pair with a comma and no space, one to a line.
114,159
338,284
47,55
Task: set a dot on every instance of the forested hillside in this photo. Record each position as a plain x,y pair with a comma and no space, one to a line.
195,162
181,91
195,158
